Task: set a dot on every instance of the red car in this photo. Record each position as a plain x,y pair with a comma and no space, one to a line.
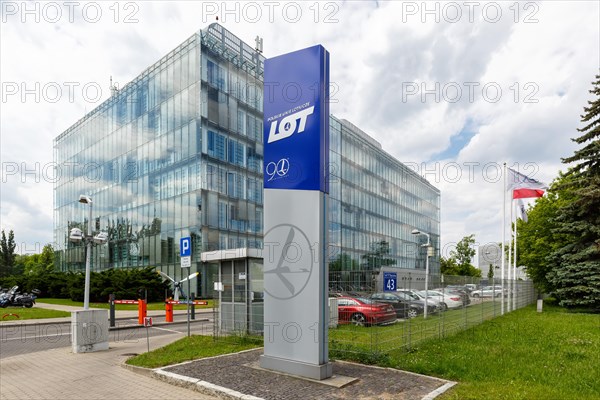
363,312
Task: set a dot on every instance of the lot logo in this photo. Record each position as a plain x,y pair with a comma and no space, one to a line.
294,261
288,125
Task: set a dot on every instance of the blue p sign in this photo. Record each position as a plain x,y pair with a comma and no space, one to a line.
185,247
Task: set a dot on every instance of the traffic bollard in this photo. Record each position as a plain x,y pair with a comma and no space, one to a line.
169,312
193,307
111,302
141,311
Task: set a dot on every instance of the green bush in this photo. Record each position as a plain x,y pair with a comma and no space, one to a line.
124,283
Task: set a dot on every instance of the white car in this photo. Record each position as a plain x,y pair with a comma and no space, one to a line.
446,300
488,291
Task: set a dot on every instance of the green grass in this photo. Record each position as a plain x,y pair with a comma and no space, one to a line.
29,313
151,306
194,347
522,355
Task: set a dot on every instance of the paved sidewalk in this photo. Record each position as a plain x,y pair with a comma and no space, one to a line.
60,374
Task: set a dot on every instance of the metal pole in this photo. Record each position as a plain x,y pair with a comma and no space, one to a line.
503,238
111,299
193,307
426,280
188,308
88,259
514,298
508,303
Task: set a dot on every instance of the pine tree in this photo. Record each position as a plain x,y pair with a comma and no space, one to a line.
576,277
7,253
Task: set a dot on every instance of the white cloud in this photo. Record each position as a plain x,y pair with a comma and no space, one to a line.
377,50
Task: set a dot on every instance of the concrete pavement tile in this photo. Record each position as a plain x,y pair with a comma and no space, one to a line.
60,374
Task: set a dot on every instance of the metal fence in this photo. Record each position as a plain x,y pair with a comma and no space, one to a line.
455,303
367,320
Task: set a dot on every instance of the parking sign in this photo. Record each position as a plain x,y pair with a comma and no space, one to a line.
390,280
185,247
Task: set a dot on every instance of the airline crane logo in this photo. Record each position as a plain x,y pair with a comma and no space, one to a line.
294,261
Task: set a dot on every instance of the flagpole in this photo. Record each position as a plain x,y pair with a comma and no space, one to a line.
514,298
508,303
503,238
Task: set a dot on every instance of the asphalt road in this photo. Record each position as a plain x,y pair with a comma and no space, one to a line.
22,339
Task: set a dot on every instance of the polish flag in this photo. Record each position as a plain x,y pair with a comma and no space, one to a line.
524,187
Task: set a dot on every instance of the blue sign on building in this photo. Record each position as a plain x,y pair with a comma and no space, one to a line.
296,120
185,247
390,281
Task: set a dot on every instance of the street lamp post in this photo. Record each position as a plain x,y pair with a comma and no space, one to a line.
427,245
77,236
88,256
81,320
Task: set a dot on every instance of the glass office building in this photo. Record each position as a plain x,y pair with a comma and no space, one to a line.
178,152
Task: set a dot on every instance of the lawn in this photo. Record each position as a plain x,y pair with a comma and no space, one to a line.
194,347
522,355
29,313
151,306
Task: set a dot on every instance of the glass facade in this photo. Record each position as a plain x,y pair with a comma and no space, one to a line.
178,152
375,203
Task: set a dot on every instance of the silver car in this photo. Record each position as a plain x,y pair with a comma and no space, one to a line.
487,291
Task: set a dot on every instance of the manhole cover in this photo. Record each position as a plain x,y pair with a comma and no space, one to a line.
130,354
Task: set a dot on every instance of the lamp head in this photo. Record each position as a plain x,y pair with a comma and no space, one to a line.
85,199
101,238
416,232
76,235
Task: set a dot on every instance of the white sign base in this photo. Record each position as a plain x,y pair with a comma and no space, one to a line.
296,283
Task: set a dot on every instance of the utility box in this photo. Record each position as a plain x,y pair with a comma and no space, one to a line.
89,331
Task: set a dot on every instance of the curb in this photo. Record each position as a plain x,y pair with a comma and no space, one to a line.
192,383
439,391
200,386
429,396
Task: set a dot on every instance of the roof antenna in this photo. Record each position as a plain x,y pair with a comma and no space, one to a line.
259,44
114,88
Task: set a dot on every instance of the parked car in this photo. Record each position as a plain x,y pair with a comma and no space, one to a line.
446,300
470,287
364,312
416,295
466,300
488,291
405,305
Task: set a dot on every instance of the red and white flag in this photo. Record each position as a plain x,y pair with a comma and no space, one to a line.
524,187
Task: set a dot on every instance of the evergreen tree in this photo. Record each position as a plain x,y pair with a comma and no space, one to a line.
577,276
7,253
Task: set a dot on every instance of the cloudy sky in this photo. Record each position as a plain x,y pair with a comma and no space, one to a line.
452,89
